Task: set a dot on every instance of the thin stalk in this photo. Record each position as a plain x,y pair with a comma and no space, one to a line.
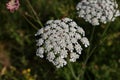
72,70
91,38
34,19
92,51
88,52
97,46
103,34
35,14
20,11
30,23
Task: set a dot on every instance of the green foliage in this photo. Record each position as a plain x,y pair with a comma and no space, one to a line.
18,37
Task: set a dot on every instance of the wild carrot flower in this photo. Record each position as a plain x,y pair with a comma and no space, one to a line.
98,11
13,5
60,40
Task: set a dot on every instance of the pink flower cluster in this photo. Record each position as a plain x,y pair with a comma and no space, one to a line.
13,5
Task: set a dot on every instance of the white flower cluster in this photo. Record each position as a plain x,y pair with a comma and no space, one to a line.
98,11
60,40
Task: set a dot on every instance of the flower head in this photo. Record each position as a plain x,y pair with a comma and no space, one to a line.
13,5
98,11
59,40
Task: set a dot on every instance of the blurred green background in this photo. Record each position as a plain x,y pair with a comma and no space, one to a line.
18,60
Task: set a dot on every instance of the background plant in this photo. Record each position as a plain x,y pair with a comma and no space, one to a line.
17,42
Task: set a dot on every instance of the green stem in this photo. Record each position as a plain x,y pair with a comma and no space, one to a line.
103,34
72,70
35,14
30,23
97,45
91,38
102,40
88,52
24,15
